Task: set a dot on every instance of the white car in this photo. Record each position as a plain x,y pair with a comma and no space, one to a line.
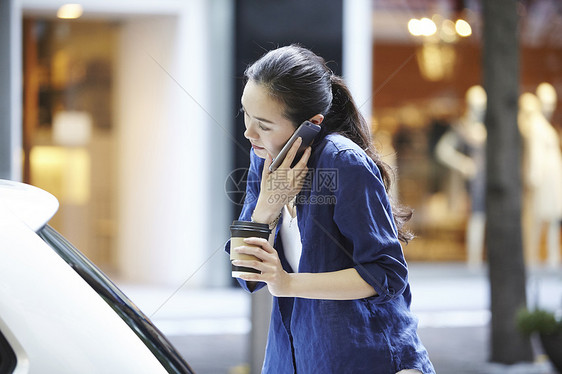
58,312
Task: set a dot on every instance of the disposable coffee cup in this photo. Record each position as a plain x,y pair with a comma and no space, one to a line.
240,230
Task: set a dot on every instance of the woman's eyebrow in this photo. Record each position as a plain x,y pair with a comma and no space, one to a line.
258,118
264,120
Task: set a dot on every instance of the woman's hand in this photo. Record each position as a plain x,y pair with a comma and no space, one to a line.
272,273
282,185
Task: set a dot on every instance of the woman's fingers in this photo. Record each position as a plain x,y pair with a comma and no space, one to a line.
252,277
292,176
268,162
300,168
283,184
254,264
267,270
267,260
264,255
259,253
287,162
304,159
261,243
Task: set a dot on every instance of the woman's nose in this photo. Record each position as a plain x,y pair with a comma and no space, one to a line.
250,133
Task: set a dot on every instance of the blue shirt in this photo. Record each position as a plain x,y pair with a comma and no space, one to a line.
345,221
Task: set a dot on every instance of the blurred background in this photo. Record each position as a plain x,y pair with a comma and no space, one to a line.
127,111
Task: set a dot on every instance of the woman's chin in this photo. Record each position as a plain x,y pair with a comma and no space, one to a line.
260,152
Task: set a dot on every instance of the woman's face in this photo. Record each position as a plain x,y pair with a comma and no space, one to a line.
266,127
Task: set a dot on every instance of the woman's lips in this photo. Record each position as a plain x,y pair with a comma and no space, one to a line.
256,147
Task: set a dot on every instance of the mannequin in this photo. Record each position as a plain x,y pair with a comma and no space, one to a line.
542,174
547,98
463,149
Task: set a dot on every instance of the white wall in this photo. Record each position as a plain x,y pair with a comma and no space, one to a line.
220,58
163,150
357,52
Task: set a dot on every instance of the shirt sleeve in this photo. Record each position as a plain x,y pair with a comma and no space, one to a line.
363,215
253,180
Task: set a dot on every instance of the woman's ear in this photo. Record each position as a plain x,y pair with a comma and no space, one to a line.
317,119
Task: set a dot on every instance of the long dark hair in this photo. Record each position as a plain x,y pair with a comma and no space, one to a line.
303,83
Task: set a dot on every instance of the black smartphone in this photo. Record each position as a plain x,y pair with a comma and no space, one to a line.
307,131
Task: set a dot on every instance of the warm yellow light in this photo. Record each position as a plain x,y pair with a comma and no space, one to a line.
415,27
424,26
64,172
463,28
436,61
447,32
70,11
428,27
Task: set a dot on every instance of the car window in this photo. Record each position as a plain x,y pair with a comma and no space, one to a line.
118,301
7,356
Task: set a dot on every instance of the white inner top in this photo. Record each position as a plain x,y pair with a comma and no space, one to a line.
291,238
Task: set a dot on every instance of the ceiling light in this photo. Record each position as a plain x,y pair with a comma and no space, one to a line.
428,26
415,27
70,11
463,28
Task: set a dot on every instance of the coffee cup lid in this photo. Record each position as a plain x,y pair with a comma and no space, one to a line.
245,225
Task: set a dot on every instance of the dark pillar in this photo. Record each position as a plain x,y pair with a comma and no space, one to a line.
10,102
262,25
503,196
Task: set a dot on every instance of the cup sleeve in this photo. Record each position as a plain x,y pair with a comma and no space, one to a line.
248,286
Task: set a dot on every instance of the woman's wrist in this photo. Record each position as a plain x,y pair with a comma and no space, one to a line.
272,224
287,288
292,281
265,213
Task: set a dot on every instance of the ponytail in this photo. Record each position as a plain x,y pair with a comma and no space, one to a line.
344,118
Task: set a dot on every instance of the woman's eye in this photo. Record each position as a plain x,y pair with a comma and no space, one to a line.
260,125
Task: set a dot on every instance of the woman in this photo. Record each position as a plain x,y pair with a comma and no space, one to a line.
333,262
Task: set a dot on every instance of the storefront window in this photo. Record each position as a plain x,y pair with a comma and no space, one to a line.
427,108
68,126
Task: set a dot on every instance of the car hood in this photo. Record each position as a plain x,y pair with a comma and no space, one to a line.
32,205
